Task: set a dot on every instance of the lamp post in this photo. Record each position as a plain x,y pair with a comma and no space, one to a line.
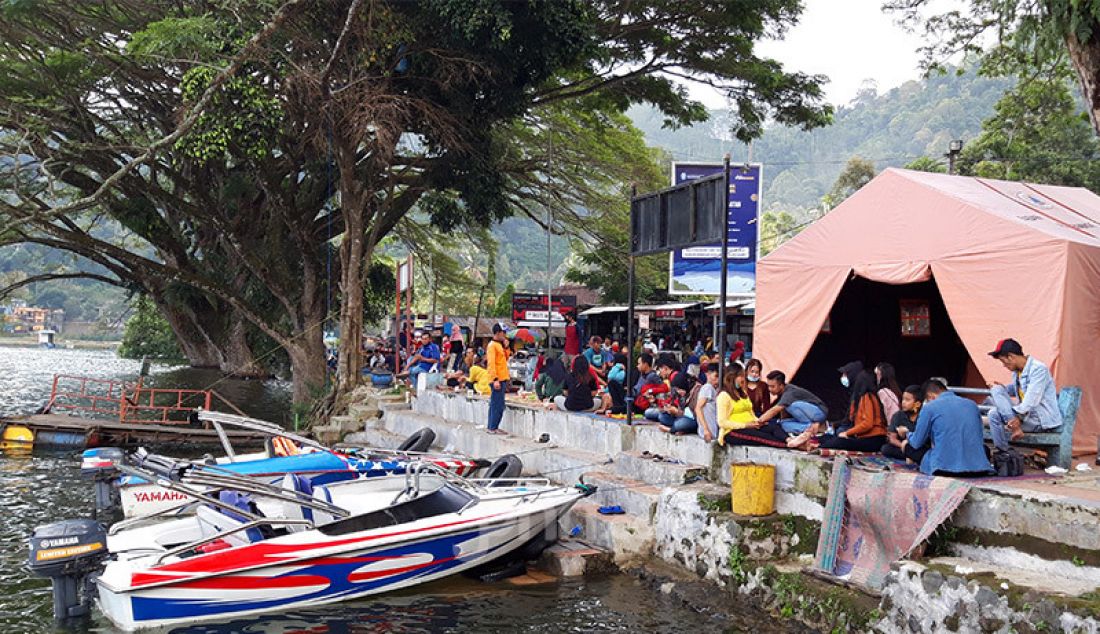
953,151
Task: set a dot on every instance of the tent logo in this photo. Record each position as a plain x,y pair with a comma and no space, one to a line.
1034,200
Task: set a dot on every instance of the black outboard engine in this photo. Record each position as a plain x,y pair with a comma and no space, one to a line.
69,552
99,466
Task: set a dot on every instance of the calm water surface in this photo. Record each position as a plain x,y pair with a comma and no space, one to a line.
40,488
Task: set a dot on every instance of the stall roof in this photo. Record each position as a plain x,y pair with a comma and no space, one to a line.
734,303
672,306
599,310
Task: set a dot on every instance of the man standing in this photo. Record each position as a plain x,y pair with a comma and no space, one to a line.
804,412
497,365
953,425
426,358
1029,404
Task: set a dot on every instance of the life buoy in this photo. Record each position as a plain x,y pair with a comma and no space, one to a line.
420,441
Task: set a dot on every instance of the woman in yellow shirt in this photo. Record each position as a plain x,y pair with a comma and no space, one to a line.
735,414
480,378
734,406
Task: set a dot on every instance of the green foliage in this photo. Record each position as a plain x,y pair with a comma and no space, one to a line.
891,128
1036,134
857,173
243,114
503,306
927,164
737,562
776,227
147,334
378,292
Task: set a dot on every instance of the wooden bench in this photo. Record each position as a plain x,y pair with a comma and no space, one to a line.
1058,443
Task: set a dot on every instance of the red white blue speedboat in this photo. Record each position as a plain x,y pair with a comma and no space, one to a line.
339,542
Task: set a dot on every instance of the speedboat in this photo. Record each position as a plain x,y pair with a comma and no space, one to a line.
306,547
285,452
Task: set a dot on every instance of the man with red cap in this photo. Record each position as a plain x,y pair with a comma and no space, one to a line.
1029,403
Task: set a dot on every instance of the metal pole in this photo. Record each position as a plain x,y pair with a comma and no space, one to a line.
549,275
725,274
630,315
397,325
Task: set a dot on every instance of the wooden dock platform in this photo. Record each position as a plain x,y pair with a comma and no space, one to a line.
59,430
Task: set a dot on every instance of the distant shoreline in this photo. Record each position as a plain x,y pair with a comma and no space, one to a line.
27,342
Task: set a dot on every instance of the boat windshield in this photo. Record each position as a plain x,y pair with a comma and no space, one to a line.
446,499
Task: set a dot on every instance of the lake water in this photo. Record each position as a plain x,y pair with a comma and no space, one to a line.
40,488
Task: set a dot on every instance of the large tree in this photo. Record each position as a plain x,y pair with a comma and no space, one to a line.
284,130
1024,37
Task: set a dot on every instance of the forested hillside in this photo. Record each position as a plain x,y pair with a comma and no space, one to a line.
916,119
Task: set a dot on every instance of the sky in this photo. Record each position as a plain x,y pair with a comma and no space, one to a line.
848,41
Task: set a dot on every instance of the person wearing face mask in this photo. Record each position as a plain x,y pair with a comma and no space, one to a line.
737,423
901,424
868,424
756,388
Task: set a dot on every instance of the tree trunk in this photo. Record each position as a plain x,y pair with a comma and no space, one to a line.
349,370
238,359
307,367
1085,57
194,341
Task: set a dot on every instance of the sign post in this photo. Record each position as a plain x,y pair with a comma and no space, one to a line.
696,270
690,214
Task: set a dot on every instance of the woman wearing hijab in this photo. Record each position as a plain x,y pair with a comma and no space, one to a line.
551,381
868,430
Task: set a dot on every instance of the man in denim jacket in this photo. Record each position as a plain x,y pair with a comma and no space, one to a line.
1029,404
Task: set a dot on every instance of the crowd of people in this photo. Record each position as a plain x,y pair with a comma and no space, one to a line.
927,424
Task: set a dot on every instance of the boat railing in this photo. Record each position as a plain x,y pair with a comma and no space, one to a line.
412,479
201,483
219,420
256,523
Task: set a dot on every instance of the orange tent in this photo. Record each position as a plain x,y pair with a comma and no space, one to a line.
1008,259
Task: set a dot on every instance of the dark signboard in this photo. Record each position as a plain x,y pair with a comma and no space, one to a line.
530,308
689,214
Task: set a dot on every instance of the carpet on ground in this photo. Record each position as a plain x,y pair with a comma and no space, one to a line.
873,518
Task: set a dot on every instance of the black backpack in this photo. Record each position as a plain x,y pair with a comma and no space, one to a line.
1008,464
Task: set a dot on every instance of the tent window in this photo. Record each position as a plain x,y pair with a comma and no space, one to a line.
915,318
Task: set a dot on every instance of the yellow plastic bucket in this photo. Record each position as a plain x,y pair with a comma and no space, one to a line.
752,487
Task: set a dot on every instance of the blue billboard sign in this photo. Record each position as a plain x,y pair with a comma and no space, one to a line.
696,270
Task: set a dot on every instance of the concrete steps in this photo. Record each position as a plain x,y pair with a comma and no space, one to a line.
645,468
626,536
574,558
637,498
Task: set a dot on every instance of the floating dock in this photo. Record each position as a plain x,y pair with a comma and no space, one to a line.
62,431
114,413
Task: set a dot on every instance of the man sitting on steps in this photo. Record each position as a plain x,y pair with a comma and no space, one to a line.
1029,404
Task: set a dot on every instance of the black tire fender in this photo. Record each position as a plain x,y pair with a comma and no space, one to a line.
421,440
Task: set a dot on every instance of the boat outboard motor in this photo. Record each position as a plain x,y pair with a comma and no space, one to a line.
69,552
99,465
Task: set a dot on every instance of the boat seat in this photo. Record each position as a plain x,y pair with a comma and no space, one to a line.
213,521
299,486
322,493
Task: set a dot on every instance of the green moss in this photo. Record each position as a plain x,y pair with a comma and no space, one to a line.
715,503
826,606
